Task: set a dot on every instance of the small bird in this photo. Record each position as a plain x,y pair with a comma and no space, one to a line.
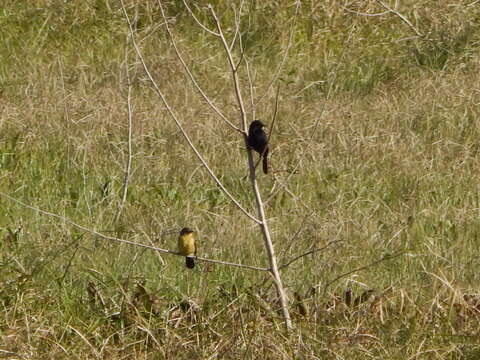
186,246
257,140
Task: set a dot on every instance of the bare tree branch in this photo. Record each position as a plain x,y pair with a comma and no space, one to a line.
258,199
285,54
237,24
233,68
198,21
404,19
123,241
177,122
189,73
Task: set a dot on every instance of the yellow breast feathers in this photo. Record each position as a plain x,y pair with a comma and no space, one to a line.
186,244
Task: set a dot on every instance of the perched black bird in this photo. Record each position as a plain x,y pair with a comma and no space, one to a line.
257,140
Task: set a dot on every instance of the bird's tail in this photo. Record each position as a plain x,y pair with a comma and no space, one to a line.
190,262
265,161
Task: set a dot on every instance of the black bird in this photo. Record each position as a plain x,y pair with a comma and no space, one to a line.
257,140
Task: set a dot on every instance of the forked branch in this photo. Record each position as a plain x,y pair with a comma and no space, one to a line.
251,165
187,69
177,122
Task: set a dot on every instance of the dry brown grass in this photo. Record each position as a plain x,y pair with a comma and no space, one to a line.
393,168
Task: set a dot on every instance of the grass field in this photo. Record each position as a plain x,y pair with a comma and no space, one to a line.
377,133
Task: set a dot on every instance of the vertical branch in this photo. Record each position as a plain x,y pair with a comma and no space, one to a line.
128,165
263,223
233,68
237,24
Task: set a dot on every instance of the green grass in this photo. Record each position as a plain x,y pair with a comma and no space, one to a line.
391,175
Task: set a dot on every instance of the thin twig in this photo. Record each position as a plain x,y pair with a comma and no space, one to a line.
160,259
385,258
128,165
237,31
189,73
288,191
97,354
237,24
177,122
231,264
198,21
69,263
307,253
317,121
296,235
285,54
231,62
275,110
123,241
249,74
274,117
404,19
242,56
250,84
365,14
